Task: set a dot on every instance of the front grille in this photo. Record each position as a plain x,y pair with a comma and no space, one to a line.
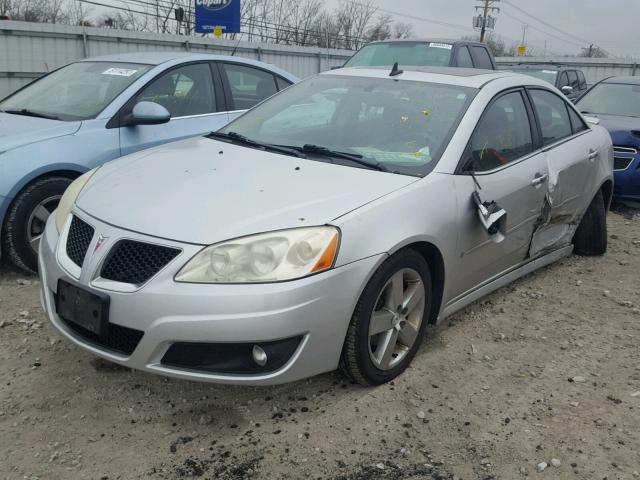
136,262
118,339
621,163
78,240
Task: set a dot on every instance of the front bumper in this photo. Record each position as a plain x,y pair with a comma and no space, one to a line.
627,180
317,309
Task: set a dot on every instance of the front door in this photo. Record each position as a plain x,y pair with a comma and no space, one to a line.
189,94
503,166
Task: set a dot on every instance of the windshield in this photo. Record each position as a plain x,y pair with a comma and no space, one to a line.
423,54
546,75
402,125
76,92
612,99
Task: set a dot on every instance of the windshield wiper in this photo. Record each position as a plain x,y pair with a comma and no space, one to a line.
241,139
353,157
30,113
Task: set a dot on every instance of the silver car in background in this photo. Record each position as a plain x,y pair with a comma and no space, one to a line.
326,227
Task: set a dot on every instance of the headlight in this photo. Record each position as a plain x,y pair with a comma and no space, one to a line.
70,196
267,257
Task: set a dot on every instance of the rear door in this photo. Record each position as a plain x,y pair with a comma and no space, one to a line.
510,171
246,86
571,154
191,96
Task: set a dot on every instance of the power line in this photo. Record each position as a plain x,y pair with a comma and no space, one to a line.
564,32
540,30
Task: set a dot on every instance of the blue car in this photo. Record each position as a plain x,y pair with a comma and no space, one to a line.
616,102
99,109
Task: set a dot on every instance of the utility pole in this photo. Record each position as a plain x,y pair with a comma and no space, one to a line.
524,33
484,20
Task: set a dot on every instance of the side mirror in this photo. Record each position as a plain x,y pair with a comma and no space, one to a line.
147,113
492,217
567,90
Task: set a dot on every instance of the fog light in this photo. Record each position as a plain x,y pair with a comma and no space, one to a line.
259,355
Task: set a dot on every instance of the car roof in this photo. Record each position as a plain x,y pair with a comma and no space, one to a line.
452,41
465,77
159,58
624,80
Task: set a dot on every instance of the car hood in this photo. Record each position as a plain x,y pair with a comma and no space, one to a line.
204,191
624,131
19,130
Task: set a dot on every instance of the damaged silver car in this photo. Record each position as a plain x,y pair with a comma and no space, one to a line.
326,227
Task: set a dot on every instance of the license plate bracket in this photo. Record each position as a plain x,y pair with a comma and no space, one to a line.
81,307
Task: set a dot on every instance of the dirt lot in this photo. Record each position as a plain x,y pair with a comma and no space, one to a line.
547,368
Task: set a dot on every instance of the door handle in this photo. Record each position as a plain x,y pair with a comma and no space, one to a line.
539,179
593,154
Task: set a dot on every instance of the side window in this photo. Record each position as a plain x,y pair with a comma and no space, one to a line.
503,134
577,123
483,60
184,91
552,114
463,58
564,80
582,80
573,79
249,85
282,83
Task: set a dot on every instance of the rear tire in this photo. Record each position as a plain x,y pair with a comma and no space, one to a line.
26,219
590,238
364,358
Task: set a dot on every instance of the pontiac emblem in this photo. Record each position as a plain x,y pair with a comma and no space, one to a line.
101,240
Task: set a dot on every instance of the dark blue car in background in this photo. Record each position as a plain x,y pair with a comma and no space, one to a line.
616,102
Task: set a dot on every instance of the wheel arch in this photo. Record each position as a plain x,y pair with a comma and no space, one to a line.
69,171
431,253
607,193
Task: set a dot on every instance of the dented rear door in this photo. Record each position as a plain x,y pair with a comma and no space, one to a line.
570,152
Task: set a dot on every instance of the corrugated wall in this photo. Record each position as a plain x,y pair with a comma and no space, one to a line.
28,50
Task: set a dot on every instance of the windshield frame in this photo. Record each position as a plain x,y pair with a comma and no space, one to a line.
70,118
595,87
414,171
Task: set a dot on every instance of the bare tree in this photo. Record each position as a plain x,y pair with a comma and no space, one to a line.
402,30
380,29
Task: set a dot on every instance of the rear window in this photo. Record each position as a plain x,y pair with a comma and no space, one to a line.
429,54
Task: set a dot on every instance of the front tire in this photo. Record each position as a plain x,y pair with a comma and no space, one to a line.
389,321
26,218
590,238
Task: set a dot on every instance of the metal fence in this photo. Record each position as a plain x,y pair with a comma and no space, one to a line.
28,50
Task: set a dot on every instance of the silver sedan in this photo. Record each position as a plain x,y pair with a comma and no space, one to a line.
326,227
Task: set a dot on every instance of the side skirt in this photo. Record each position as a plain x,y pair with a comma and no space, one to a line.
504,279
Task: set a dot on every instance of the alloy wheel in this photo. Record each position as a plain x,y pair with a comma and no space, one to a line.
396,318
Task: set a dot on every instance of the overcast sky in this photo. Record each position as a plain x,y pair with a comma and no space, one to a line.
612,24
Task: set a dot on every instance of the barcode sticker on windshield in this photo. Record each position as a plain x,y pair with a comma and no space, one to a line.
446,46
549,71
121,72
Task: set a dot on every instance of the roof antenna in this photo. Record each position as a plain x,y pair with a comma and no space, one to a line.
395,71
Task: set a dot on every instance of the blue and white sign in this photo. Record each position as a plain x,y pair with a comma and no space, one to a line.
218,13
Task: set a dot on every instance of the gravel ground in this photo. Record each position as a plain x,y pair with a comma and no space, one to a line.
542,373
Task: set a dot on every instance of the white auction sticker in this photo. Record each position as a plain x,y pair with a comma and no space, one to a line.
446,46
121,72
